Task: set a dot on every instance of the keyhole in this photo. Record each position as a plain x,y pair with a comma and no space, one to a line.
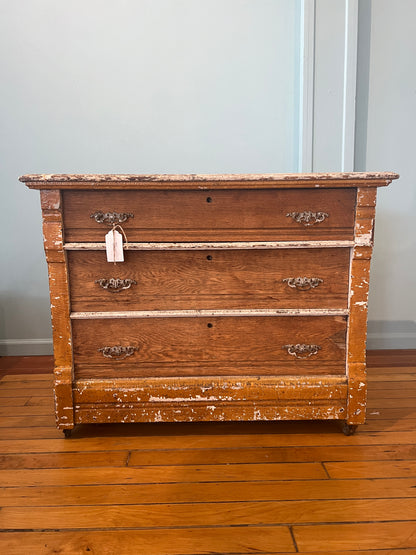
209,199
209,257
209,325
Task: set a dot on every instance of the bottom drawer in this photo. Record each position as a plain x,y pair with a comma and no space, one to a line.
189,399
202,346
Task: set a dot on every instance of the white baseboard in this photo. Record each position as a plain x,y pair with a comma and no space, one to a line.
381,335
391,335
26,347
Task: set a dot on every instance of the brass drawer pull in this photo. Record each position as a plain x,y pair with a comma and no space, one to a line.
115,285
303,283
111,218
308,218
118,351
302,350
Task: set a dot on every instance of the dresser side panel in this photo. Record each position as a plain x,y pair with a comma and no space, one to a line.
51,203
358,305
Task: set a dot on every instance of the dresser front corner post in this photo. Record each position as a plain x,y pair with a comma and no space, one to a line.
51,203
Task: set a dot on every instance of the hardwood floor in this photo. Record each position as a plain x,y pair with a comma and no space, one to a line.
224,488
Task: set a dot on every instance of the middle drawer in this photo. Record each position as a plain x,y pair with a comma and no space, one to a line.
210,279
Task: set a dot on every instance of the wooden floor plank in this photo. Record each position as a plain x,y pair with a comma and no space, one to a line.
163,474
404,386
206,457
64,460
392,369
405,425
191,541
398,402
272,455
26,421
368,535
13,378
205,442
38,432
391,357
208,492
391,413
47,402
358,551
23,409
391,378
29,383
23,391
189,515
159,474
367,469
8,403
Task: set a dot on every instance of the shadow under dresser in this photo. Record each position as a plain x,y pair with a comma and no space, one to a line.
240,297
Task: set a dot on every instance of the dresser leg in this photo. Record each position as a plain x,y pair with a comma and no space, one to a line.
348,429
67,433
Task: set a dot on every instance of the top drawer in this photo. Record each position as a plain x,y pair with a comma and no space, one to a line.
220,215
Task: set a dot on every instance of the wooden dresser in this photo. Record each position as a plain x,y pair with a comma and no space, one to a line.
241,297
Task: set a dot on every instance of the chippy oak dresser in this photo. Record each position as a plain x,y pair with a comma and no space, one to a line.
240,297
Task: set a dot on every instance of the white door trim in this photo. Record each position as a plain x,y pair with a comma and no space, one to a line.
350,85
343,159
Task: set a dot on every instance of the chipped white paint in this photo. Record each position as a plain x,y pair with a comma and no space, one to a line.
364,240
208,313
196,398
232,245
140,180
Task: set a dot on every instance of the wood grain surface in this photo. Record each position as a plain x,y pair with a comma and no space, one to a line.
174,280
209,346
233,215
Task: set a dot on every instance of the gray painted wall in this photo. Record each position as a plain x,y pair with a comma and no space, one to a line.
133,86
142,86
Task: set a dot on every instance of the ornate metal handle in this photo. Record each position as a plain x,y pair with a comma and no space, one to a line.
118,351
111,217
303,283
308,218
300,350
115,285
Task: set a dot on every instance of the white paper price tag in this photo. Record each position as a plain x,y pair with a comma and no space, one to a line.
114,246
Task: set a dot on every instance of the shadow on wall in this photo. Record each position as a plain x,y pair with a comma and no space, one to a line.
363,84
387,283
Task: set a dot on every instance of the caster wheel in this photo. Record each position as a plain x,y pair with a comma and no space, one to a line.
349,429
67,433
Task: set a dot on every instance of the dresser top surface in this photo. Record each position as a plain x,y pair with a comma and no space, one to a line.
207,181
